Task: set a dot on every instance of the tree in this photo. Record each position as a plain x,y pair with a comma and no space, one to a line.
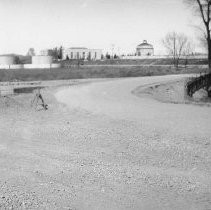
177,45
17,60
55,53
89,56
189,51
31,52
67,57
60,53
108,56
203,8
115,56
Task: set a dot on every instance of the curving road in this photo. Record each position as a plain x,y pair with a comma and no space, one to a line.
114,98
165,148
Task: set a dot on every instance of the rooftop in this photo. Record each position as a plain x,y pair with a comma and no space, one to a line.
145,44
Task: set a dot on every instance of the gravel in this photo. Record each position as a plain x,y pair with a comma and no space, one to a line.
105,148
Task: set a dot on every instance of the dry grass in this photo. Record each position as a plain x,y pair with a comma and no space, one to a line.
92,72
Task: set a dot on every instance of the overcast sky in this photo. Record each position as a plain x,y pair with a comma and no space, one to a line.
90,23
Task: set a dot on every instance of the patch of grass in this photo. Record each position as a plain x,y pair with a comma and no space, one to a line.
149,61
92,72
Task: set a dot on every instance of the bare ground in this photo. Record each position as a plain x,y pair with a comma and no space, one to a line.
70,157
173,92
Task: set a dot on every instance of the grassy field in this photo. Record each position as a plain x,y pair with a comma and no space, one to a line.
93,72
149,61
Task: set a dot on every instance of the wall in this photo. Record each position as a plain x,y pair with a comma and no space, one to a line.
145,52
7,60
40,60
82,53
14,66
42,66
31,66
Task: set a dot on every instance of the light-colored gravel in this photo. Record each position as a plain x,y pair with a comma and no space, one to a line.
105,148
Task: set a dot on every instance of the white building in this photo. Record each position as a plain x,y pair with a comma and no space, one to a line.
42,62
82,53
144,49
42,59
7,60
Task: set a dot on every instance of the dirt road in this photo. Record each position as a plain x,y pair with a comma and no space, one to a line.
106,148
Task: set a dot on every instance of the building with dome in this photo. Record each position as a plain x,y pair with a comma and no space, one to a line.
144,49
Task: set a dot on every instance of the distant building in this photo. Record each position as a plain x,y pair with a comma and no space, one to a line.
7,60
144,49
82,53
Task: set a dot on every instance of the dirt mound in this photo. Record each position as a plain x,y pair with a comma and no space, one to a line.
173,92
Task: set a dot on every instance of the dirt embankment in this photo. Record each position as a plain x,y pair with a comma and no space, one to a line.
84,72
173,92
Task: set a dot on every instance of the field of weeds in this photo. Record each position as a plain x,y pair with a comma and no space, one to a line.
84,72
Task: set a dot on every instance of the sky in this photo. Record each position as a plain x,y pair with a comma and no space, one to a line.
97,24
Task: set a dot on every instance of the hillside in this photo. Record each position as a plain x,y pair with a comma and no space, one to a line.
164,61
93,72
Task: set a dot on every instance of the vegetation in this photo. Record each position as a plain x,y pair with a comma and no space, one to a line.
57,52
149,61
83,72
195,84
177,45
203,8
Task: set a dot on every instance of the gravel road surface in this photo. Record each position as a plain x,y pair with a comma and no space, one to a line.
105,148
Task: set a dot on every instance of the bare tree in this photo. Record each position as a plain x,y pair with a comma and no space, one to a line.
177,45
201,36
188,51
55,53
60,53
203,8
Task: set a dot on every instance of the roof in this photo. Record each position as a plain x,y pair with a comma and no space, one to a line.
145,45
9,55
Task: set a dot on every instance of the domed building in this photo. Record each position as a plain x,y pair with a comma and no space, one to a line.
144,49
